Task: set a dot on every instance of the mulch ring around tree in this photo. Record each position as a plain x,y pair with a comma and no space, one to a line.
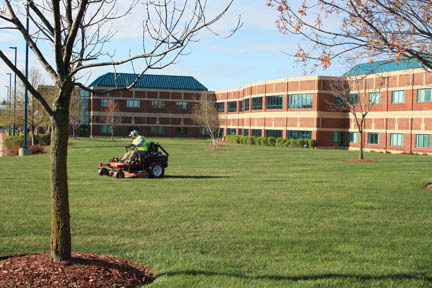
85,270
360,160
428,186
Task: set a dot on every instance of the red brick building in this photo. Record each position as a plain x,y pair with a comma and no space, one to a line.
158,105
399,97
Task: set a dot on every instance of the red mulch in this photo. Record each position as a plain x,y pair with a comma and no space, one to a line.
85,270
215,149
360,160
428,186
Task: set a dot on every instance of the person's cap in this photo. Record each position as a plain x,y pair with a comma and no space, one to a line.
133,133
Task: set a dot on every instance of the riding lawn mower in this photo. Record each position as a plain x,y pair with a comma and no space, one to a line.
151,163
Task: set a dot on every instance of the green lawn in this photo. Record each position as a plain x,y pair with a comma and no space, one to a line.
249,216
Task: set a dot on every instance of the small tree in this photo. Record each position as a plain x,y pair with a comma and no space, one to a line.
75,111
359,105
111,115
205,114
70,38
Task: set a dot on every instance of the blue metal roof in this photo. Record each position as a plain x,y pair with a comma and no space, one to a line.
149,81
383,66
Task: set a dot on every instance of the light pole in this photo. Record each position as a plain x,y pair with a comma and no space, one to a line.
10,96
14,107
9,104
24,151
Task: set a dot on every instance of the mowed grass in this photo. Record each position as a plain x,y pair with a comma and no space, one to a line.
246,217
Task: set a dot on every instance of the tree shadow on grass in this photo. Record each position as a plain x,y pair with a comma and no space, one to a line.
395,277
194,177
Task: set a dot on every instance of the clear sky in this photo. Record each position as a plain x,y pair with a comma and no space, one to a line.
255,53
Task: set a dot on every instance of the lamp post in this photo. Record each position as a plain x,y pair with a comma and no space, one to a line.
24,151
10,96
9,104
14,106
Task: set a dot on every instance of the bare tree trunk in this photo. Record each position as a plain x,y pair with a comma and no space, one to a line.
60,218
361,145
33,136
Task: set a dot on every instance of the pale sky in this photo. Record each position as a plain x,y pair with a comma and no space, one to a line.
253,54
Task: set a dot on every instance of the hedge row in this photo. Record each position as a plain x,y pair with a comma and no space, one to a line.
41,139
271,141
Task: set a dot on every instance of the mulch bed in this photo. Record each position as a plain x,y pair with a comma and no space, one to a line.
85,270
215,149
428,186
360,160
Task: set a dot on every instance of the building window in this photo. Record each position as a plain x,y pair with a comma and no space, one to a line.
104,103
106,129
232,106
158,104
220,107
204,131
374,98
133,104
337,137
422,141
246,104
424,95
182,105
354,99
396,140
353,137
300,101
398,97
373,138
221,132
231,131
257,103
273,133
245,132
274,102
240,106
182,131
158,131
256,132
337,100
299,134
240,132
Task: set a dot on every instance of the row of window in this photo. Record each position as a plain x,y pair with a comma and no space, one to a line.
296,101
156,104
157,130
271,133
398,97
396,139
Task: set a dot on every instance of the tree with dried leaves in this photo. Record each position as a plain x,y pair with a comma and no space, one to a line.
111,115
70,38
205,114
368,29
358,104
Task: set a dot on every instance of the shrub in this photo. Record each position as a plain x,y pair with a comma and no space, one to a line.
43,139
285,143
300,142
292,143
279,141
271,141
264,141
37,148
259,141
252,140
243,139
312,143
236,139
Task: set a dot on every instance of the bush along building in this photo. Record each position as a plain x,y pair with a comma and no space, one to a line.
158,105
397,96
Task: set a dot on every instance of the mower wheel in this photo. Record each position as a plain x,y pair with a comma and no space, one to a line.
156,170
102,171
118,174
